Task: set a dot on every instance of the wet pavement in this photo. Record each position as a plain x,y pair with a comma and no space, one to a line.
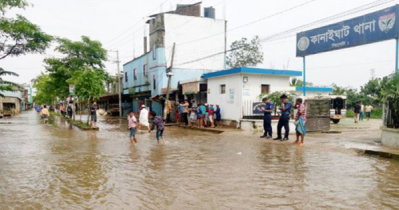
58,166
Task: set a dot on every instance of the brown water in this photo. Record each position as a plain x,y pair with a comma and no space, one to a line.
57,166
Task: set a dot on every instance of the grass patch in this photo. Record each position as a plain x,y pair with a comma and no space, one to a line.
76,123
375,113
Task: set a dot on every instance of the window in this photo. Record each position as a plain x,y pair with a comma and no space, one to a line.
154,82
222,89
154,52
126,78
134,74
145,70
265,89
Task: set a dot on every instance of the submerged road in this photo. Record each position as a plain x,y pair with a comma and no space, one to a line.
58,166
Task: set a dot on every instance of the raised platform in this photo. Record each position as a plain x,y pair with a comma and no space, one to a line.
390,137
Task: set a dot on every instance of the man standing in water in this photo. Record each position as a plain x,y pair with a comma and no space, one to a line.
186,109
284,120
143,119
132,122
44,113
93,115
267,118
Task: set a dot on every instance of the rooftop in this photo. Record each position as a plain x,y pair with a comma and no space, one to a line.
315,89
247,70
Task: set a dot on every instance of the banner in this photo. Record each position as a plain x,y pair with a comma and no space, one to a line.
374,27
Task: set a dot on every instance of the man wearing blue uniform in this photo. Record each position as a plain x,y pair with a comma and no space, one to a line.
284,121
267,118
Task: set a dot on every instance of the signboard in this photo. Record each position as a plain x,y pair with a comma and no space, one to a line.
374,27
71,90
256,108
190,88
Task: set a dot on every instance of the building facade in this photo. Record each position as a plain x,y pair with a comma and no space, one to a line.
233,89
145,78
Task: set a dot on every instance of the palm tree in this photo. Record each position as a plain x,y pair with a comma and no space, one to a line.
7,85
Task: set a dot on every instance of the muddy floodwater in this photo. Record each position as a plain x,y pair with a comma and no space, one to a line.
58,166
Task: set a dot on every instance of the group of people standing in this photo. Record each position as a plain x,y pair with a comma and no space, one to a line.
358,111
201,115
284,120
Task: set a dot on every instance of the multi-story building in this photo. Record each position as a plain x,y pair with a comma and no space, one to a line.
195,38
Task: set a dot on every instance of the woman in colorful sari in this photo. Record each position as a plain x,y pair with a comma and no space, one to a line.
300,120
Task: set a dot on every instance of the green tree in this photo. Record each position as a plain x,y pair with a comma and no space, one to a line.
245,53
7,85
45,93
7,4
79,55
295,82
89,84
373,89
19,36
275,97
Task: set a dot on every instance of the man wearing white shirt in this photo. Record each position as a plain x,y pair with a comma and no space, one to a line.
368,109
143,119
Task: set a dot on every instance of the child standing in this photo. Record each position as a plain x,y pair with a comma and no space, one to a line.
160,124
132,123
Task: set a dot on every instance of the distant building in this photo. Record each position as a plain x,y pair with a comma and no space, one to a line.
10,104
145,78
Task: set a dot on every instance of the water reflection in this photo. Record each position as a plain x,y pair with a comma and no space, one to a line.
58,166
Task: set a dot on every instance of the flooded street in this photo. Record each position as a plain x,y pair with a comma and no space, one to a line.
58,166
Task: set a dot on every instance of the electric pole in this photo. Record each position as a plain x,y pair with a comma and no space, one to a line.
119,82
169,74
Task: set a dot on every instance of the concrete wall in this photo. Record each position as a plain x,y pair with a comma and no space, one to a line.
230,102
13,100
390,137
252,89
232,109
188,33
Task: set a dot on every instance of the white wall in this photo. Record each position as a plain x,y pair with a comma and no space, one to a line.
181,29
252,89
230,109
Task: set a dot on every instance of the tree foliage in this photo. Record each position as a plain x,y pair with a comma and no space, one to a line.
18,36
7,85
295,82
79,55
7,4
390,94
45,89
245,53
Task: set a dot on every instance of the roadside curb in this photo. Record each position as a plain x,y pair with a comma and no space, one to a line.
379,153
78,124
209,130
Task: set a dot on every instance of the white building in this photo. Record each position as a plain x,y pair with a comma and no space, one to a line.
196,37
233,89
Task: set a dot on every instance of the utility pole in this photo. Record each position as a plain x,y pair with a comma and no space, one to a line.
225,34
119,82
169,74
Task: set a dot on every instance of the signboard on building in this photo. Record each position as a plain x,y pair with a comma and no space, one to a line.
190,88
374,27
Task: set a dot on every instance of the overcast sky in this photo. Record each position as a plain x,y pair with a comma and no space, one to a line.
106,20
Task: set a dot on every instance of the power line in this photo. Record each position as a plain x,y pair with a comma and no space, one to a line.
129,37
135,24
274,36
253,22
